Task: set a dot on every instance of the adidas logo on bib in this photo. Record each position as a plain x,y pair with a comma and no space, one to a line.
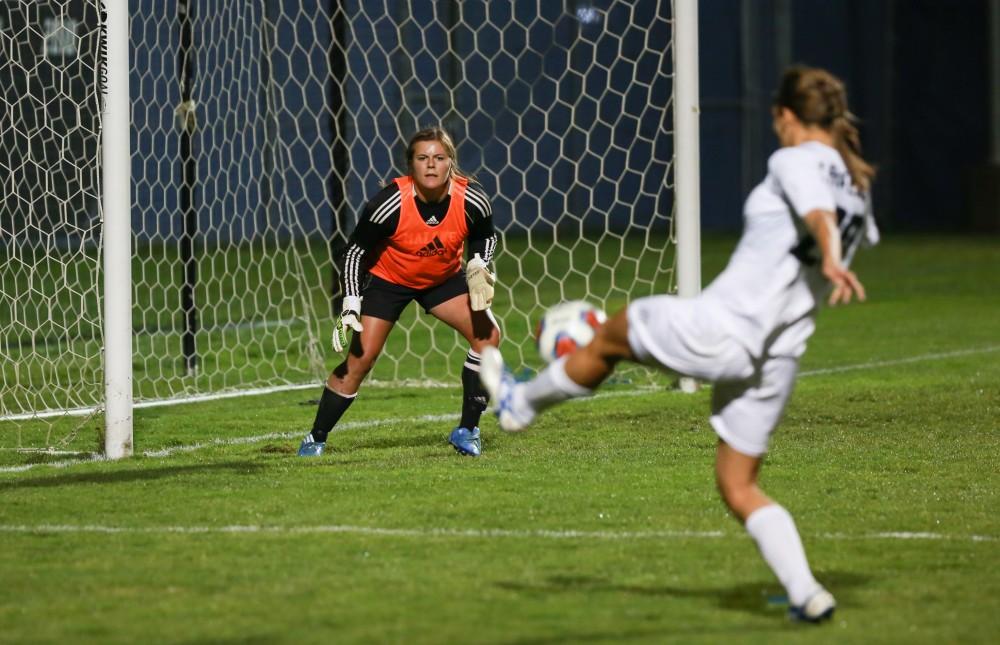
432,221
434,248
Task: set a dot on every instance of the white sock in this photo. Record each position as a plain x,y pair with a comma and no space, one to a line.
778,540
552,386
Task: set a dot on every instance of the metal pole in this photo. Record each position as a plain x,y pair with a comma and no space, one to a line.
783,29
885,181
995,79
117,204
454,69
186,113
686,151
687,155
337,181
268,22
750,74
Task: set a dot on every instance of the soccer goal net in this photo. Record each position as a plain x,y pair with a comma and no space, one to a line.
257,131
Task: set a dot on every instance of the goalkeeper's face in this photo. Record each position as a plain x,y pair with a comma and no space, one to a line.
430,168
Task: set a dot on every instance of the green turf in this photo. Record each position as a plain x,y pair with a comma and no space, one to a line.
601,524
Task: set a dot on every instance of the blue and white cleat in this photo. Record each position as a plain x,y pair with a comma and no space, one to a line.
816,609
310,448
466,442
500,385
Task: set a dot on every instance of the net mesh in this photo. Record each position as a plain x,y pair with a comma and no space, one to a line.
260,128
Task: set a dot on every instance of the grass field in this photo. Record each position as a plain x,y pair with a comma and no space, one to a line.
601,524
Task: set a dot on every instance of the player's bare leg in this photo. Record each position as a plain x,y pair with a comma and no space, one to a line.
480,329
477,327
345,380
773,529
365,349
590,365
572,376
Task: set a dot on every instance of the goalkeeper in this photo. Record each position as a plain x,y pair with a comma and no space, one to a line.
407,246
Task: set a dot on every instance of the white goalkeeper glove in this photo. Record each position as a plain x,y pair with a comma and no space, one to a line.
480,282
350,318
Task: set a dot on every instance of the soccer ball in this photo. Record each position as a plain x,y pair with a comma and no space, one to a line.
566,327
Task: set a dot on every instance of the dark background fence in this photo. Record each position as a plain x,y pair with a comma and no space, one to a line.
918,73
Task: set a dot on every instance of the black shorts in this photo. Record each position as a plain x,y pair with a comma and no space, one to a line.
387,300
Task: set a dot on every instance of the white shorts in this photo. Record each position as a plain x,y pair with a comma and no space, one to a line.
745,413
685,335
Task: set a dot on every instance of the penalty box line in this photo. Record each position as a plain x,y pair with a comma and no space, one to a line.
433,418
430,533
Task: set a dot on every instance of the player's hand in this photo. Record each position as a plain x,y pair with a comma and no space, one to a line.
350,318
480,282
845,284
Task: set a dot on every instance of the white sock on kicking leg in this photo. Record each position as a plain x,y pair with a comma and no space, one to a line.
551,386
773,529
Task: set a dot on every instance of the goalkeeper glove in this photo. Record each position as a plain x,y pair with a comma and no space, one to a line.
349,319
480,282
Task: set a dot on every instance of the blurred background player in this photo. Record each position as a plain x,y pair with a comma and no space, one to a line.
748,329
410,239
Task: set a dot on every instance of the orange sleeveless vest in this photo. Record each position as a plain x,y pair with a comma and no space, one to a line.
421,256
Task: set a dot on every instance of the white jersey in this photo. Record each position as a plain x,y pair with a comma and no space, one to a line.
773,278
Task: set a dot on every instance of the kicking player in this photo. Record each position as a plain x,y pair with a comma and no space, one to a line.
748,329
410,239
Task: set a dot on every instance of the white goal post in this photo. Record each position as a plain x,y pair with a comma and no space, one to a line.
117,240
687,152
178,178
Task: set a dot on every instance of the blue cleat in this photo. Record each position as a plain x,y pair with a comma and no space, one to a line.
466,442
818,608
310,448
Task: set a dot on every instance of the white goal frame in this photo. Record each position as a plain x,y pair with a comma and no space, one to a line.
117,204
687,176
117,199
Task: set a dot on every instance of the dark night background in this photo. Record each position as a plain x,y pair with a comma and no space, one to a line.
918,74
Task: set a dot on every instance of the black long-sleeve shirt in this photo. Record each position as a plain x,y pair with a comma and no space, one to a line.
380,218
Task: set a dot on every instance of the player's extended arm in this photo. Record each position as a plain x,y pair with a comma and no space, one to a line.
823,226
366,236
350,315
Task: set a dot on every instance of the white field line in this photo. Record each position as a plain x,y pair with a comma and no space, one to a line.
551,534
202,398
239,326
238,441
217,396
900,361
166,452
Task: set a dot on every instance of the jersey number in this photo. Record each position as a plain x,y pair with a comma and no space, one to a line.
850,226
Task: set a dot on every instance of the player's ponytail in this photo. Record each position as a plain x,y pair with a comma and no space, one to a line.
848,143
818,98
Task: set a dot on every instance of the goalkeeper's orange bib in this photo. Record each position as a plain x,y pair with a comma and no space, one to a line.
421,256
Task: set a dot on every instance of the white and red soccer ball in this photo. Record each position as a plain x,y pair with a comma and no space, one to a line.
566,327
